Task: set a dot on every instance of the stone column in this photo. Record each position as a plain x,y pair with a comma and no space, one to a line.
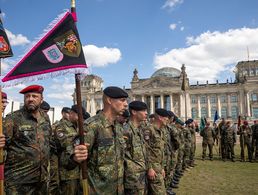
162,100
218,105
188,105
143,98
93,106
241,102
171,102
228,106
182,105
208,107
248,111
88,106
151,104
198,107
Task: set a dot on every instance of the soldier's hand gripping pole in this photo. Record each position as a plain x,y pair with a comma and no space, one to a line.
80,118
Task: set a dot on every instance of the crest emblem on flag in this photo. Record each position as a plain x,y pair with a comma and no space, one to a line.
69,44
4,47
53,54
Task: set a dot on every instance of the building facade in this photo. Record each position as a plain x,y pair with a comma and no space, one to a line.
164,90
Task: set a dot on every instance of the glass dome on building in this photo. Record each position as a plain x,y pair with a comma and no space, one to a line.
167,72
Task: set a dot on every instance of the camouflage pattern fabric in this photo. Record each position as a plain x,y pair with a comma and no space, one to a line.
193,145
28,150
39,188
154,138
228,138
106,155
188,142
66,133
208,135
180,149
245,141
135,160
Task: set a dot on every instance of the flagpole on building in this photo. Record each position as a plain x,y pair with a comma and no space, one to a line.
80,117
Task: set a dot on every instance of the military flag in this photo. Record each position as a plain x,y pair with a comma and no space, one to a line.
216,117
5,48
59,51
202,123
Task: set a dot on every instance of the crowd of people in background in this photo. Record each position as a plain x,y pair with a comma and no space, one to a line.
127,151
224,136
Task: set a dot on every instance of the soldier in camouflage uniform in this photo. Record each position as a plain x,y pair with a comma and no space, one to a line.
255,140
228,137
245,133
2,137
154,137
179,165
174,142
193,142
66,133
208,134
54,188
135,180
28,133
107,145
188,144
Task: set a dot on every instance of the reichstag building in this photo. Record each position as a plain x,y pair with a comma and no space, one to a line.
164,90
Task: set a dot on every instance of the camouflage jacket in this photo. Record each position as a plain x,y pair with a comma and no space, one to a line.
27,147
193,137
106,155
228,134
245,133
208,135
135,158
187,136
174,134
66,133
154,138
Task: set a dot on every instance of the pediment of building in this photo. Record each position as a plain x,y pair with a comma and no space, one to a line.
156,82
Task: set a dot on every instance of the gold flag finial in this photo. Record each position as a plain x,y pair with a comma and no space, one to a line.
73,3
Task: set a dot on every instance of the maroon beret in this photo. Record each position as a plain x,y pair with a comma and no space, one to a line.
32,88
4,95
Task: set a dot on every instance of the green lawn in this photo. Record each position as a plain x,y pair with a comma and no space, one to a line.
218,177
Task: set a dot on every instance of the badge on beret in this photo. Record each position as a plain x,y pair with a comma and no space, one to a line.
146,137
60,134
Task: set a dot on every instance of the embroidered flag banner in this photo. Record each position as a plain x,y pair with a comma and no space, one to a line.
59,51
5,48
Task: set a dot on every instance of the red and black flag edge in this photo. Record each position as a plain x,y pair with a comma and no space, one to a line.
59,51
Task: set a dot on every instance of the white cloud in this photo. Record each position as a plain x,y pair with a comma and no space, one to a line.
182,28
211,53
18,39
172,3
61,89
101,56
172,26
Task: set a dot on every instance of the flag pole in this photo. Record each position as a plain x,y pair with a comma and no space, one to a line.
80,117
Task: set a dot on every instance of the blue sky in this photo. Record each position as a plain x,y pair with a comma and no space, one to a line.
209,37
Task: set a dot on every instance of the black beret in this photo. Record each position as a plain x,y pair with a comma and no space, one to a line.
162,112
85,114
66,109
179,121
115,92
126,114
151,116
188,121
138,106
171,114
45,106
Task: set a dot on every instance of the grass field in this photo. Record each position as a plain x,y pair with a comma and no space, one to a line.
218,177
